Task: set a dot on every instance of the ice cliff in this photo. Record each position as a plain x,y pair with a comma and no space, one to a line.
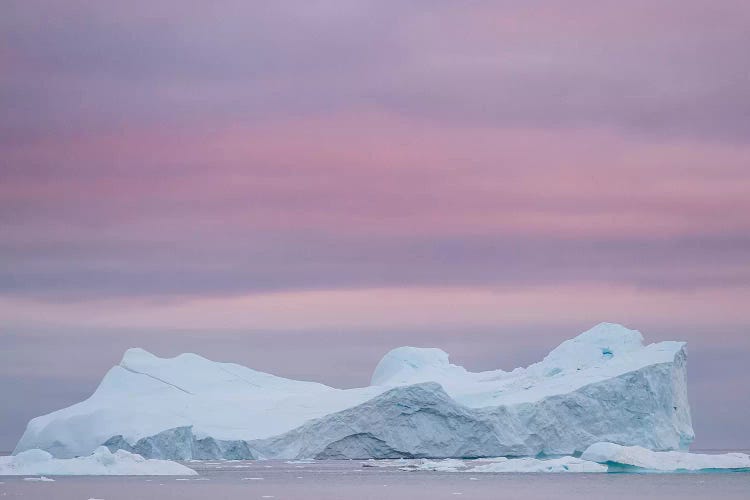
603,386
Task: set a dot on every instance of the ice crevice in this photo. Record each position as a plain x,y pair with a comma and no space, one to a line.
127,368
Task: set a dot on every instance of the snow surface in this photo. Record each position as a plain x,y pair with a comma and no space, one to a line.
624,457
603,385
100,463
605,351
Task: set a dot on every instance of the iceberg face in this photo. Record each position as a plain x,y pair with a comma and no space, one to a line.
181,444
603,385
630,458
413,421
100,463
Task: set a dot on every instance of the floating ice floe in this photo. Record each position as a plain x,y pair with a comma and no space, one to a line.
101,463
528,464
447,465
599,457
502,464
629,458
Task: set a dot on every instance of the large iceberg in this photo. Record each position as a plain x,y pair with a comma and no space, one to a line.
604,385
100,463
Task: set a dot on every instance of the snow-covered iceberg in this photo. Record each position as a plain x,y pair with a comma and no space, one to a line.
604,385
633,458
100,463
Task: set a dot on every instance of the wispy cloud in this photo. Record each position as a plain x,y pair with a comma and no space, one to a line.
330,167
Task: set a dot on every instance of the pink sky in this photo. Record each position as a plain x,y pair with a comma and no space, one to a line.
374,170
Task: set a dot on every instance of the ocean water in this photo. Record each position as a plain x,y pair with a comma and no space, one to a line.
340,480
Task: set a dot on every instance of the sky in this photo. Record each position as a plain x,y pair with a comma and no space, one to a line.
300,186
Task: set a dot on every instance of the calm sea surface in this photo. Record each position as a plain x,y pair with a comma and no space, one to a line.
349,480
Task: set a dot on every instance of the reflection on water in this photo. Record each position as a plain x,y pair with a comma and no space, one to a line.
339,480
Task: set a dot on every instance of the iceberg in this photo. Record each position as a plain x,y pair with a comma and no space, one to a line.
100,463
633,458
604,385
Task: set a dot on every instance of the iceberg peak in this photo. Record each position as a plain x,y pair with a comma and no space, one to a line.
610,336
410,364
611,333
137,355
594,347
